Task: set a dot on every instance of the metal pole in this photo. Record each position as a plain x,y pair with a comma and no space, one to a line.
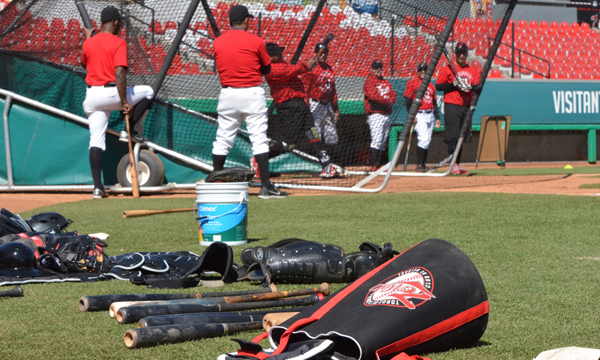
175,45
513,52
211,19
259,23
392,45
9,170
309,28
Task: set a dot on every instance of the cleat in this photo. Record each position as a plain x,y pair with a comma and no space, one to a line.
421,169
329,172
100,194
272,193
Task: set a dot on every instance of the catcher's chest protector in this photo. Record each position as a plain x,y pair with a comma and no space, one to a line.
429,298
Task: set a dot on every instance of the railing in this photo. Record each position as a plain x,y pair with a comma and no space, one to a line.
520,51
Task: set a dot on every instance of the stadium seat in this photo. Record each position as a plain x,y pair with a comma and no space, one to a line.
533,24
522,24
222,6
297,8
495,74
554,25
271,7
157,27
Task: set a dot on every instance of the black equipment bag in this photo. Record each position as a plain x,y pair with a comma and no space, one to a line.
430,298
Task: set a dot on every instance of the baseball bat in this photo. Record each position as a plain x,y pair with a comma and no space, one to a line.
408,146
134,313
169,334
14,292
137,213
135,186
445,51
328,39
84,15
322,289
197,318
275,319
103,302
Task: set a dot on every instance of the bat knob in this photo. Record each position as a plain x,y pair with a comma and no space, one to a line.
320,296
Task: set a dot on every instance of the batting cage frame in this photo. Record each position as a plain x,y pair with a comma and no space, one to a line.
177,61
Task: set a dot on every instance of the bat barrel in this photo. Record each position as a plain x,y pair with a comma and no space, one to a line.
134,313
160,320
14,292
169,334
103,302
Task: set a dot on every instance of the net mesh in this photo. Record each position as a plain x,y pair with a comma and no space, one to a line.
41,41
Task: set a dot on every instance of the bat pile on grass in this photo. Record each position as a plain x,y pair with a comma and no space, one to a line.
172,318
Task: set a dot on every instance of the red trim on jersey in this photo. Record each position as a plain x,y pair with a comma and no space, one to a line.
379,95
435,330
101,54
428,98
456,96
239,56
320,85
284,81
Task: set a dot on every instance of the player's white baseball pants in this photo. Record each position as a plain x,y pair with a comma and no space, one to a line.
424,128
237,105
324,121
100,101
379,124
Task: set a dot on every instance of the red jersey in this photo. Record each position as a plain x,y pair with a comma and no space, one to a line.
379,95
456,96
101,54
428,98
320,85
239,56
284,81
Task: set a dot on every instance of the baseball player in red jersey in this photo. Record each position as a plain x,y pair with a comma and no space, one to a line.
426,117
288,95
380,97
105,58
458,94
242,59
323,101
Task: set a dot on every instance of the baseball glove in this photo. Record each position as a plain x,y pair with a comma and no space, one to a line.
235,174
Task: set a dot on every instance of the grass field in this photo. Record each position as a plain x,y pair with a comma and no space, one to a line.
538,257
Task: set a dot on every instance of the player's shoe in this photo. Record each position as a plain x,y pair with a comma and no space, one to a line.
375,168
421,169
272,193
457,170
329,172
254,167
99,194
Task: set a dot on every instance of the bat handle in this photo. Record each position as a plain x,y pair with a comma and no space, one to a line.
14,292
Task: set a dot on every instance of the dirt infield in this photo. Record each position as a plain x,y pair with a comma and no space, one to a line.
544,184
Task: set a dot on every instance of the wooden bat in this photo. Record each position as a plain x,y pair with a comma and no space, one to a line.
103,302
137,213
275,319
134,313
135,185
169,334
322,289
208,317
14,292
408,145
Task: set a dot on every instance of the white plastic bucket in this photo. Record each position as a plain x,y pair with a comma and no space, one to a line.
222,212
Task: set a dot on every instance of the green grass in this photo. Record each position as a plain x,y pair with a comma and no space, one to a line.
536,171
590,186
528,249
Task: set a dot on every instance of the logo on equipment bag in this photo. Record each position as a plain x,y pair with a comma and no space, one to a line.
408,289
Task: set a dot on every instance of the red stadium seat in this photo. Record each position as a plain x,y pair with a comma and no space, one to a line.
297,8
222,6
554,25
565,25
495,74
271,7
158,29
533,24
522,23
170,25
285,7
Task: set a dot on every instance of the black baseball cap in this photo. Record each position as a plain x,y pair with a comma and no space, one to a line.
377,64
274,49
461,47
239,13
321,46
422,66
110,13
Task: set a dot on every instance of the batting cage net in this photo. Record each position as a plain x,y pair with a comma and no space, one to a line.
336,94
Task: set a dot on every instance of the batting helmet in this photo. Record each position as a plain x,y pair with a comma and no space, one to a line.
49,222
461,47
12,223
321,46
17,260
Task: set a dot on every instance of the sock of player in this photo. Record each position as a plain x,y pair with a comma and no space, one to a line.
421,156
96,165
136,122
375,156
218,162
262,160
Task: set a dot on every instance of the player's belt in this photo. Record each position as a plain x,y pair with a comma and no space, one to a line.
322,102
106,86
425,111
